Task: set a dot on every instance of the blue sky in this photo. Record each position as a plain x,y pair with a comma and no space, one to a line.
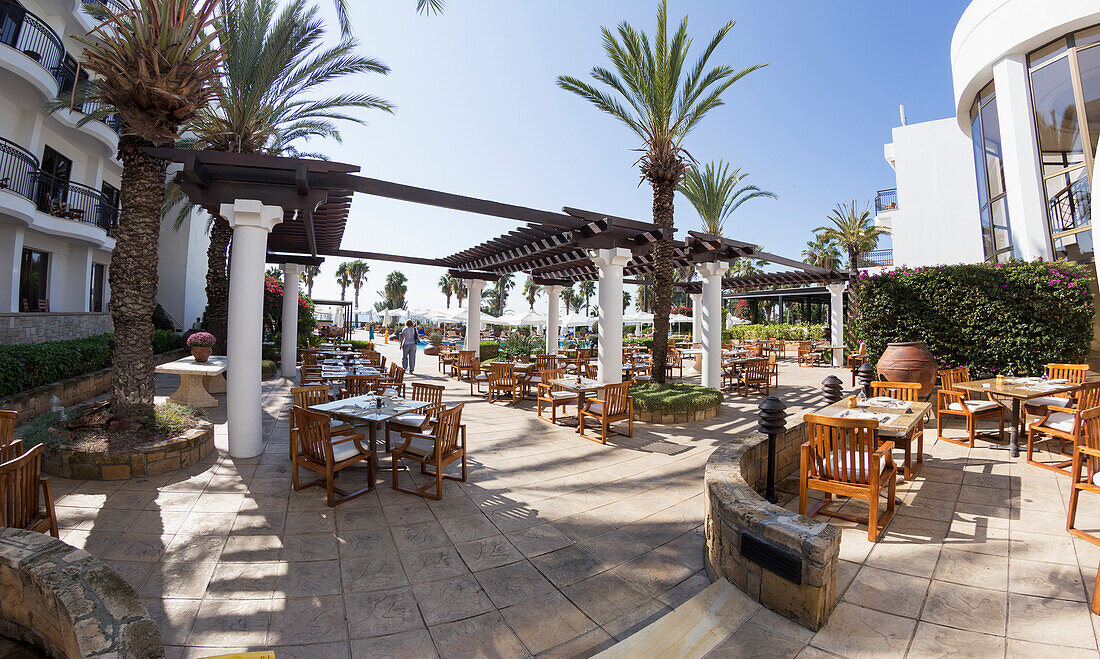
479,114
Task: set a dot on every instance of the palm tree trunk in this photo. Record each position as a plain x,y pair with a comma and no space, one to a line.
217,285
853,268
133,277
662,216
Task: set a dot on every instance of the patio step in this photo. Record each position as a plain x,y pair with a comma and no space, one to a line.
692,630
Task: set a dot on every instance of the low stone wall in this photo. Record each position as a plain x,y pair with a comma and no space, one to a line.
148,460
678,417
20,328
64,602
744,532
33,402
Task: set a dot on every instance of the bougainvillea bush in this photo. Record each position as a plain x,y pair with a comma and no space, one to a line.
273,311
994,318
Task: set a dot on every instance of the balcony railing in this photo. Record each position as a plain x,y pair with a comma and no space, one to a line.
886,200
17,169
1071,207
876,258
30,35
73,201
113,5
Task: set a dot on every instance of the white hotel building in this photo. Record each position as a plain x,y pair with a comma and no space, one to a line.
1009,175
59,187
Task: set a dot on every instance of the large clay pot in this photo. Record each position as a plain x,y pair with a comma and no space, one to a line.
909,362
201,353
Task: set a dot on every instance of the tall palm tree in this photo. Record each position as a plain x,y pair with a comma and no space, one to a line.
393,291
644,300
500,292
447,285
664,100
567,298
585,290
715,194
156,65
821,252
344,16
343,278
531,291
309,274
357,272
854,231
460,291
626,300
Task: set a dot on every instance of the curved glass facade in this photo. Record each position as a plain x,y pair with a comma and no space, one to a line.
985,131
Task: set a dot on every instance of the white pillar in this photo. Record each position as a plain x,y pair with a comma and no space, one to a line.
836,320
289,349
1027,213
696,317
251,221
711,321
610,348
552,331
473,313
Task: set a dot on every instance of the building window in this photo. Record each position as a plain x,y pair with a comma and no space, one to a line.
33,284
108,208
985,131
95,296
1065,95
53,182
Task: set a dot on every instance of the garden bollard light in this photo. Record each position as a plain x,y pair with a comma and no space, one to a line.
772,421
832,389
866,375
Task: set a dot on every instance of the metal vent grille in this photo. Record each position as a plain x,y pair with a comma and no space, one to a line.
772,559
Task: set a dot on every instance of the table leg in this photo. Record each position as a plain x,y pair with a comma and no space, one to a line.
580,404
214,384
373,433
1014,431
697,367
191,392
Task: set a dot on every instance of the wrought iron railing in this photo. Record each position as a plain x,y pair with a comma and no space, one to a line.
29,34
66,78
886,200
876,258
113,5
1071,207
17,169
73,201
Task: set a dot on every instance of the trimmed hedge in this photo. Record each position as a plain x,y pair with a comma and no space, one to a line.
488,350
33,365
775,331
992,318
673,397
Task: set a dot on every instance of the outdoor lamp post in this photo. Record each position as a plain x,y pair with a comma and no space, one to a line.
866,375
832,389
772,416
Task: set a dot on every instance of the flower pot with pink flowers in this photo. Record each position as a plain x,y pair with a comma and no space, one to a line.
201,344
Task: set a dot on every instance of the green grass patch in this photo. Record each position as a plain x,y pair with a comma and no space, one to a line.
673,397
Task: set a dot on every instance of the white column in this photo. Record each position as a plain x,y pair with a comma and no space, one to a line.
711,321
610,295
473,313
251,221
11,261
836,320
1027,214
289,348
552,331
696,317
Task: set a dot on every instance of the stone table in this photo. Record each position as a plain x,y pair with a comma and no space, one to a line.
197,380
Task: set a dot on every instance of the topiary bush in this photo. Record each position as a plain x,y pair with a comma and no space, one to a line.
165,341
992,318
488,350
672,397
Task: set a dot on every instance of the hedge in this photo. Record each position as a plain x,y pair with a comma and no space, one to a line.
488,350
24,367
673,397
775,331
993,318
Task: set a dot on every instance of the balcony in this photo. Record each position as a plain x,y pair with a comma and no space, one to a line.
876,259
886,200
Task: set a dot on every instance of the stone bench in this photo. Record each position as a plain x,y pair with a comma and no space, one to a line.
783,560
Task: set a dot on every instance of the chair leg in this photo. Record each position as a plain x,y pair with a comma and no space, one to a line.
395,460
1095,607
1071,517
330,477
630,425
872,514
294,474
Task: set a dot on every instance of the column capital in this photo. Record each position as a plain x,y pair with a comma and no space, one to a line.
696,297
552,290
712,269
474,284
836,288
619,256
251,213
289,268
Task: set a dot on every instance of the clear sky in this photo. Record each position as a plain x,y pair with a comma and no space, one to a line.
479,114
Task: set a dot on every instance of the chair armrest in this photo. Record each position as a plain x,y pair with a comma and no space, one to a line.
1068,410
349,438
885,451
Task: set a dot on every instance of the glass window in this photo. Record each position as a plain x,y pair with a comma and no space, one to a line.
986,136
95,295
1088,61
991,140
1056,114
979,157
33,272
1047,53
1087,37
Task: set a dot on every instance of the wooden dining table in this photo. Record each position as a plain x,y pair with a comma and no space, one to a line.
1018,390
898,420
581,387
358,410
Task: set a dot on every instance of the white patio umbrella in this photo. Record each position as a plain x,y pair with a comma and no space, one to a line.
577,320
529,317
679,318
638,317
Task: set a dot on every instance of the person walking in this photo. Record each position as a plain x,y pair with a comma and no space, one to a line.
408,347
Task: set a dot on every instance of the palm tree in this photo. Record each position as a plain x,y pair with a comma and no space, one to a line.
715,194
585,290
156,65
460,291
644,300
344,16
821,252
500,292
531,291
357,272
309,274
854,231
626,300
275,62
447,285
393,292
343,278
663,103
567,298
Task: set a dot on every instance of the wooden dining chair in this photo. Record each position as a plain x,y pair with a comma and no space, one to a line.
26,498
309,357
1074,373
7,426
755,374
957,403
551,394
773,370
806,355
371,356
464,363
730,371
361,385
307,397
675,362
502,379
906,391
844,457
1062,424
1085,470
616,405
317,452
310,375
437,449
417,422
445,360
395,380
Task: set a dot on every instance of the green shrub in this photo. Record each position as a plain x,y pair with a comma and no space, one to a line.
38,431
435,338
267,352
775,331
361,345
518,345
489,349
267,368
24,367
673,397
991,318
164,341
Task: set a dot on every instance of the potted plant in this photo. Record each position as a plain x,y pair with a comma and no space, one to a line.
201,344
435,339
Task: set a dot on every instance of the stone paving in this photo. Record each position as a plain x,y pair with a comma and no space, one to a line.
559,546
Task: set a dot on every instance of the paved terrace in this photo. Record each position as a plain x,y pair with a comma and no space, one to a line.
559,546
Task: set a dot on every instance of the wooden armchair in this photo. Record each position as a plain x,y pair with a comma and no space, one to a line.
310,375
1062,424
840,457
21,485
307,397
1085,470
806,354
360,385
309,357
446,444
7,427
616,405
729,374
906,391
754,375
503,379
781,349
1075,373
953,402
551,394
446,360
425,393
395,380
675,361
372,356
315,450
464,363
855,360
909,392
773,370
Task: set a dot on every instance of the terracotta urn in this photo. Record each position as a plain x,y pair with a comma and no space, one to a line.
909,362
201,353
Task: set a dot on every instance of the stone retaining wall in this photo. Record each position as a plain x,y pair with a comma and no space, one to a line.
148,460
64,602
740,521
33,402
678,417
21,328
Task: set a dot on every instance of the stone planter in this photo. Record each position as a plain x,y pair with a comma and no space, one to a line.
909,362
432,350
146,460
678,417
201,353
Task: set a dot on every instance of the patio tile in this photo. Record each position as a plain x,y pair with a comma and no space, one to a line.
307,620
537,540
630,623
1018,649
306,578
382,612
241,581
432,564
606,596
546,621
966,607
422,535
174,617
889,592
416,643
237,622
248,548
310,547
972,569
485,635
513,583
1042,619
586,645
448,600
568,565
312,651
754,640
853,631
939,641
1045,580
470,527
178,579
378,570
486,553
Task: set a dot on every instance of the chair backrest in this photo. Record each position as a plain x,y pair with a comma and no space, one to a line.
19,477
397,374
429,393
314,440
307,397
906,391
1075,373
448,424
309,358
840,448
1090,440
756,369
311,375
1088,395
543,362
370,355
953,376
756,350
615,398
502,374
7,426
361,385
674,357
591,371
771,361
549,375
11,450
465,358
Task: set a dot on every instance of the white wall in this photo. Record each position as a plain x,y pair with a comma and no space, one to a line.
181,269
937,219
